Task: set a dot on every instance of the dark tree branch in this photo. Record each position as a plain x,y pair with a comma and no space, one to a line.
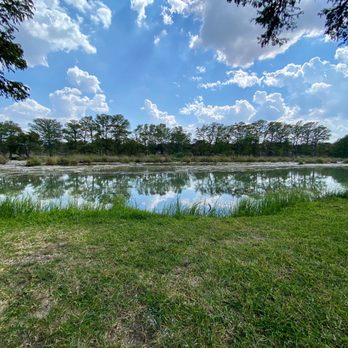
12,13
278,16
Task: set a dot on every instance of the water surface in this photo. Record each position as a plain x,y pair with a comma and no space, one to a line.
156,188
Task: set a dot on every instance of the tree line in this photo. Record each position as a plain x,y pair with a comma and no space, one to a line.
111,135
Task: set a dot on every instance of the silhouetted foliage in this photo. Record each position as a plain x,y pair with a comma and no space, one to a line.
340,147
277,16
12,13
110,135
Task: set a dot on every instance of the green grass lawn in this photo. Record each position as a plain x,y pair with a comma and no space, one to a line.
126,278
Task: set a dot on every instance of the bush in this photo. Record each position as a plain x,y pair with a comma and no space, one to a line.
51,161
33,162
3,160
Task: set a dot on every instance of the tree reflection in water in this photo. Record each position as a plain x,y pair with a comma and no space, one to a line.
103,188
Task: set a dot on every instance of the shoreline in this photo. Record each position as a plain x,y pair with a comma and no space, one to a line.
19,167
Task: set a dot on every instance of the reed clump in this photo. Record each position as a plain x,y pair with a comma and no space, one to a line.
3,159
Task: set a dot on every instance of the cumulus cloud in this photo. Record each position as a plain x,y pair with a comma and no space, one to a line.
140,7
342,55
70,103
53,29
316,90
313,91
83,80
181,7
272,106
80,5
66,103
201,69
227,30
318,87
103,16
158,115
241,110
240,78
99,12
24,112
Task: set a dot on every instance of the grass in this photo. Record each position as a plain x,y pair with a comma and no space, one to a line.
264,204
3,160
34,162
269,203
74,160
122,277
274,202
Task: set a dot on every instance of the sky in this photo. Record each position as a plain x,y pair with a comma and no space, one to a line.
178,62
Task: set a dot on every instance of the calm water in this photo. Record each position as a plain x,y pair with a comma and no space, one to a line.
153,189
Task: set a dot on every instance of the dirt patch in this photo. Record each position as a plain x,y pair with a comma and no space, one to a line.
35,251
45,302
136,329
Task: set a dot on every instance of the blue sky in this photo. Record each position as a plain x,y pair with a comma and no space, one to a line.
179,62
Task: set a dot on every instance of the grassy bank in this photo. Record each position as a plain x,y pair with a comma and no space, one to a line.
264,204
124,277
94,159
3,160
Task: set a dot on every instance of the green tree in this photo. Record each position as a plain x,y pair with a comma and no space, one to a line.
179,139
104,126
49,131
12,13
9,141
28,143
142,135
88,128
277,16
73,132
340,147
320,134
119,130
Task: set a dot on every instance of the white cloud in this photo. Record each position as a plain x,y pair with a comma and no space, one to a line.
316,90
241,110
342,55
181,7
103,16
24,112
228,30
140,7
65,103
70,103
313,91
83,80
159,115
272,106
99,12
157,39
81,5
318,87
194,41
201,69
238,77
51,30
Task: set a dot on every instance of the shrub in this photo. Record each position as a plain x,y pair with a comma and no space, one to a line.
3,160
33,162
63,161
51,161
